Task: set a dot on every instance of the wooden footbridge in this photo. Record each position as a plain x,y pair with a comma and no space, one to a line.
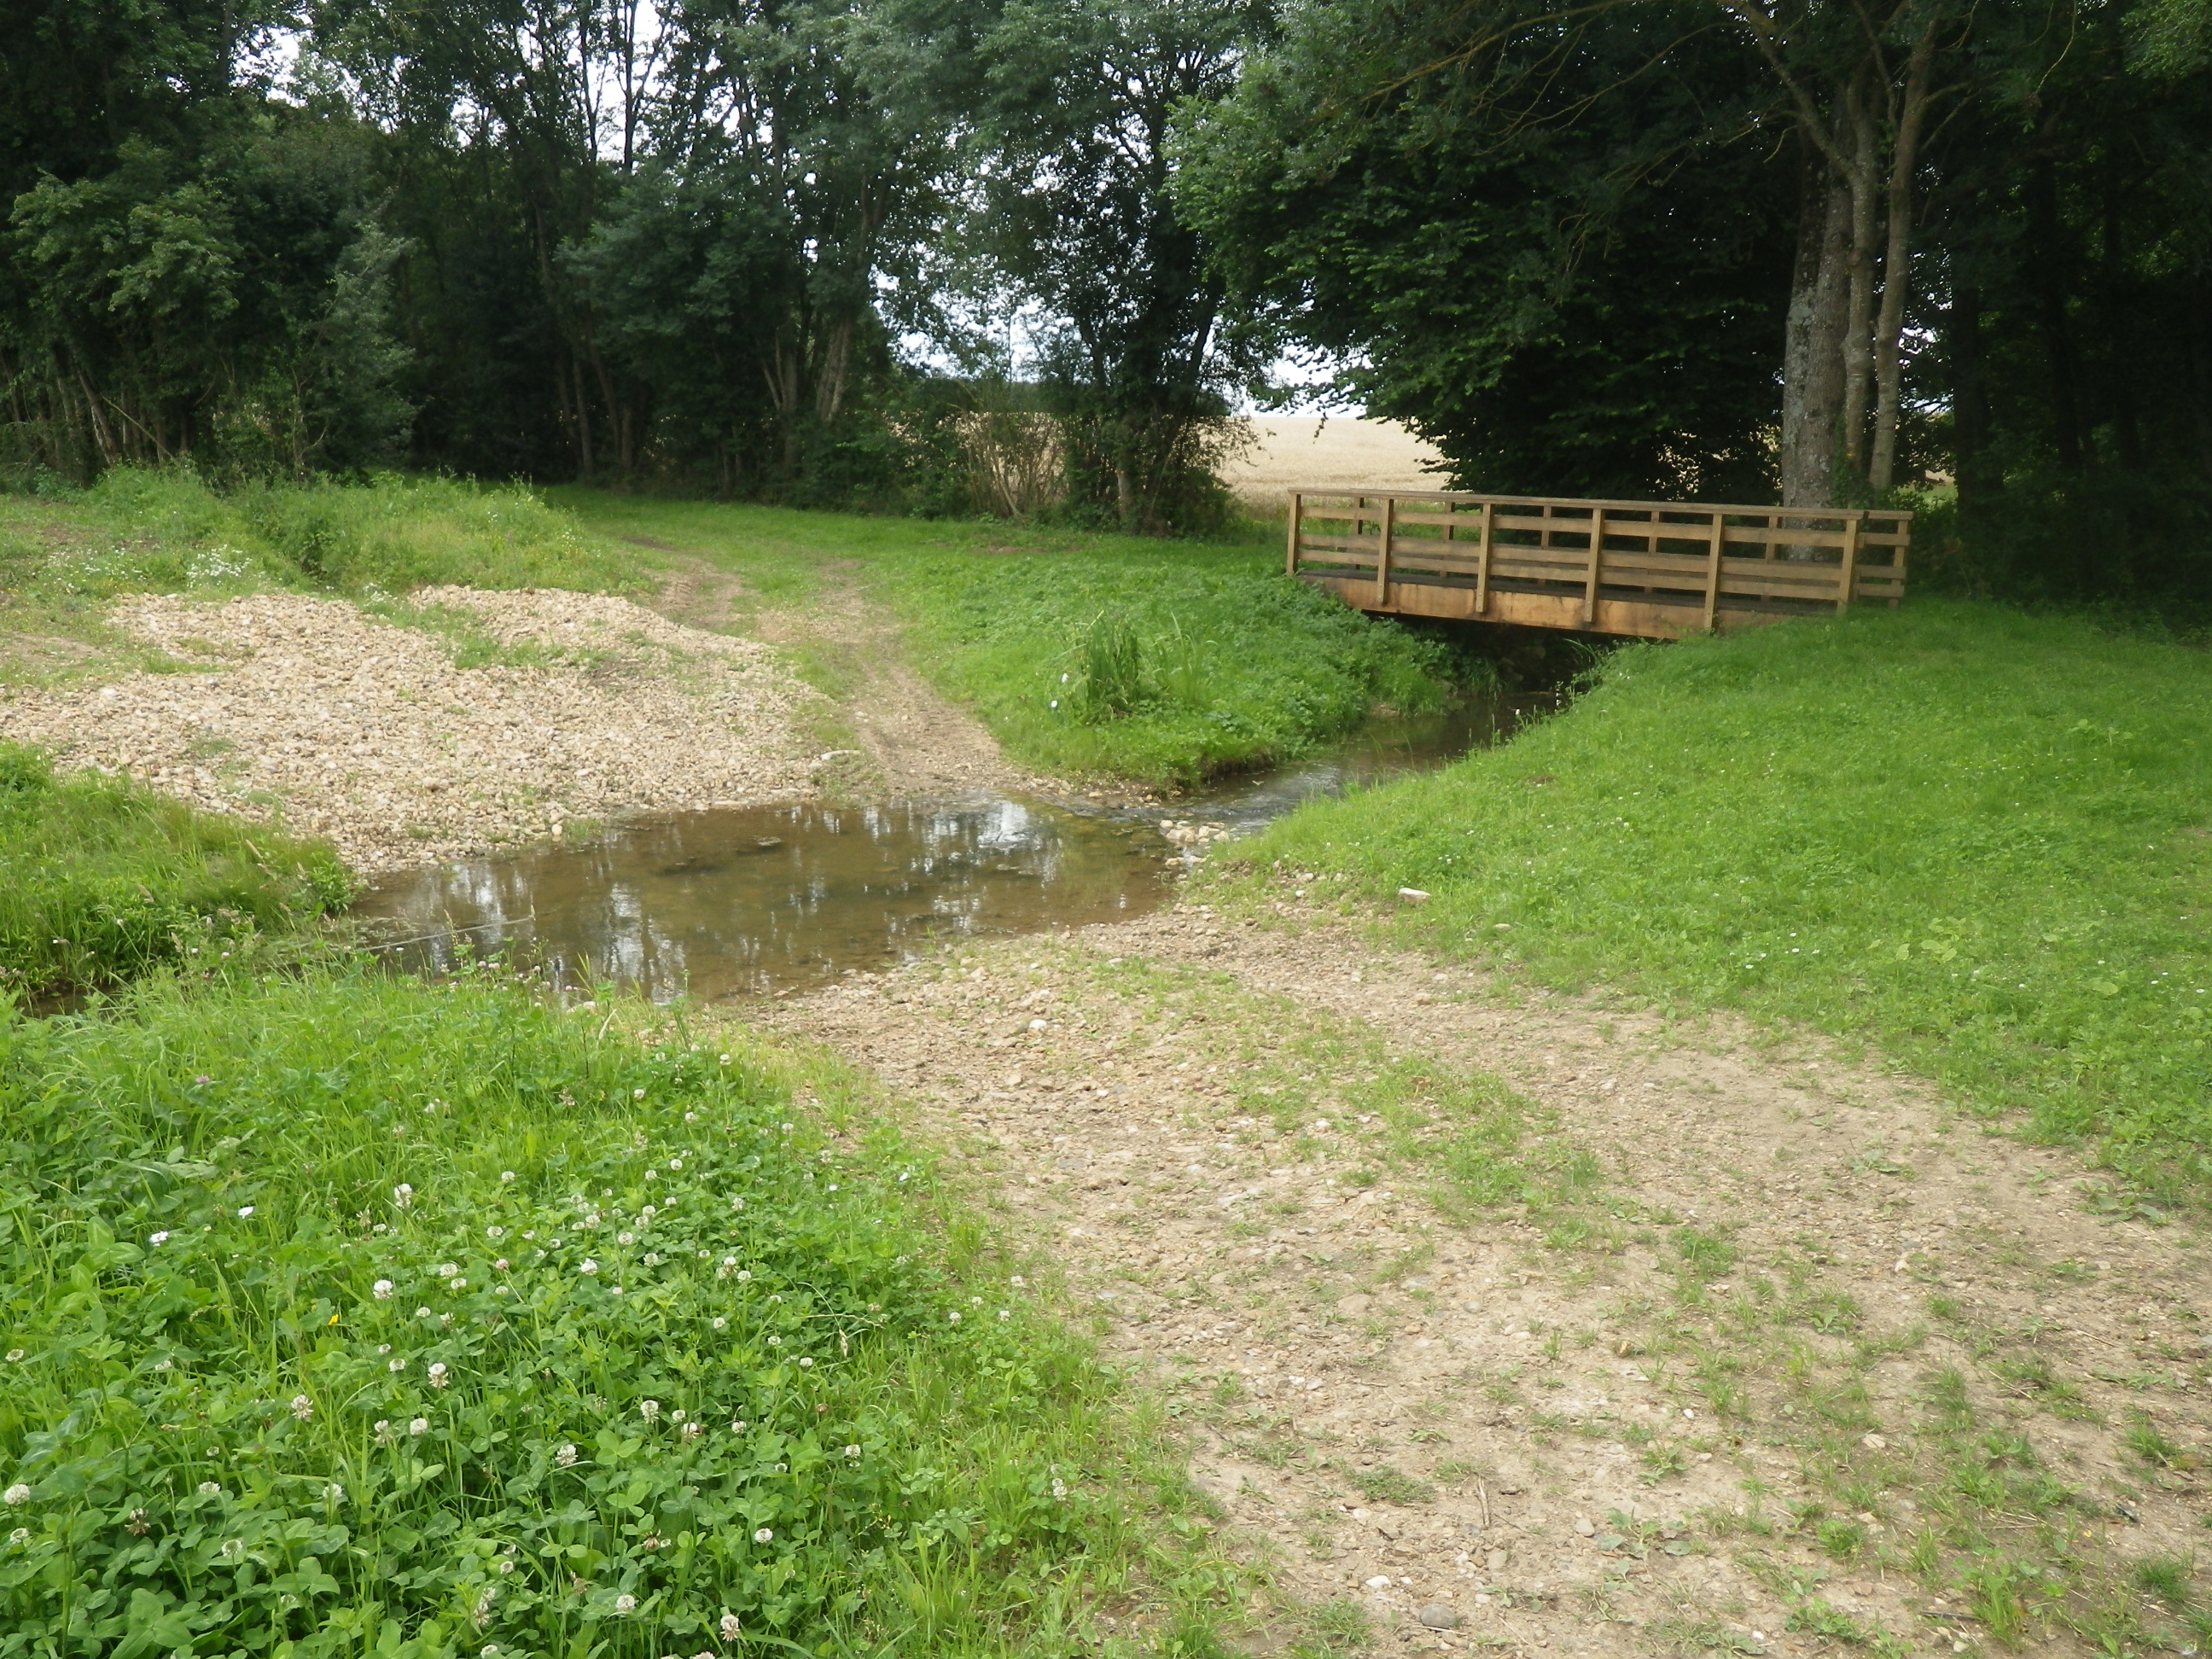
1649,569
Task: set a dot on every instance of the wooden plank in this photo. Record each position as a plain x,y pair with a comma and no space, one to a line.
1596,566
1713,567
1850,563
1382,553
1482,563
1291,561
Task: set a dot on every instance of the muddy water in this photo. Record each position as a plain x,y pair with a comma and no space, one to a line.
762,900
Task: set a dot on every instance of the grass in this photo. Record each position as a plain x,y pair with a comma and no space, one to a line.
1162,663
347,1314
102,881
1975,838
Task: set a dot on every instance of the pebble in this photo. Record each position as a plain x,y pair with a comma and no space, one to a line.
1438,1616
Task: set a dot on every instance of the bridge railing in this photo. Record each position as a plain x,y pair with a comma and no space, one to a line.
1659,570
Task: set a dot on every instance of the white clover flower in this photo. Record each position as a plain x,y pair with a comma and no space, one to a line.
210,1489
736,1425
15,1355
17,1495
165,1364
402,1196
675,1162
653,1258
625,1239
422,1313
383,1436
1018,1281
245,1211
334,1494
725,1061
745,1275
19,1537
419,1425
637,1094
954,1316
1060,1490
456,1285
302,1407
448,1269
494,1232
775,1342
507,1563
399,1365
233,1548
565,1458
500,1266
693,1431
807,1364
159,1239
381,1289
763,1536
626,1602
649,1410
506,1175
438,1379
588,1267
852,1451
737,1204
720,1323
1003,1314
446,1320
489,1651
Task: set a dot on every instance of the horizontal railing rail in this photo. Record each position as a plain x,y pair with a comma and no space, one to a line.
1659,570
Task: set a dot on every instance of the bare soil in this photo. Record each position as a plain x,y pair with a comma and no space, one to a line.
1547,1428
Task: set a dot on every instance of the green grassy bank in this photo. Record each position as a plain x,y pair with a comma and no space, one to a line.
102,881
1979,839
343,1314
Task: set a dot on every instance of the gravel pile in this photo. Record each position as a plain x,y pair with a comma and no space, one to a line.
365,732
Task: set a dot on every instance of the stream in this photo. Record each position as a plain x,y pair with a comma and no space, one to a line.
764,899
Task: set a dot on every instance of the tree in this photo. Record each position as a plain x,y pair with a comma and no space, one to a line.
1075,218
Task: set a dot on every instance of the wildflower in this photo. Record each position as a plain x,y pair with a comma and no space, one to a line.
138,1526
675,1162
448,1269
383,1436
649,1410
690,1117
19,1537
637,1094
626,1603
457,1284
725,1061
381,1289
438,1379
763,1536
165,1364
17,1495
446,1321
1059,1489
302,1407
653,1258
494,1232
775,1342
1018,1281
737,1204
418,1425
565,1458
588,1267
402,1196
720,1323
209,1489
852,1451
334,1494
245,1211
15,1355
1003,1314
489,1651
500,1266
482,1612
233,1548
675,1416
625,1239
506,1175
731,1628
954,1316
422,1313
807,1364
647,1214
159,1239
693,1431
507,1563
736,1425
395,1365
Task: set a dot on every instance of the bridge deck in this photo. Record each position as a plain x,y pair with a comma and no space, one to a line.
1653,569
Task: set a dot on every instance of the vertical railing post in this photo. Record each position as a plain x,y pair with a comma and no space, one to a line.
1850,572
1596,565
1713,552
1383,554
1297,512
1482,560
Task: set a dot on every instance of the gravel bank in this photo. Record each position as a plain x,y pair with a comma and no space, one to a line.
366,731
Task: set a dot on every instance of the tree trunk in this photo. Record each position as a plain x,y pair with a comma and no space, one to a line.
1812,339
1897,264
1862,142
2046,262
1979,481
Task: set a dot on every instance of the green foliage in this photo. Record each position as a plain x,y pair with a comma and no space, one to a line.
1109,683
1388,1485
1974,836
102,881
350,1313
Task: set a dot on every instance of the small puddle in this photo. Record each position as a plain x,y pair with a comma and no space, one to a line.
757,901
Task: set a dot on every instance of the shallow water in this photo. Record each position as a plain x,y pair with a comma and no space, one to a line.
759,900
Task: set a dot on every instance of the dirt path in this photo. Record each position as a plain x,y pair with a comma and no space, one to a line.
1776,1342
